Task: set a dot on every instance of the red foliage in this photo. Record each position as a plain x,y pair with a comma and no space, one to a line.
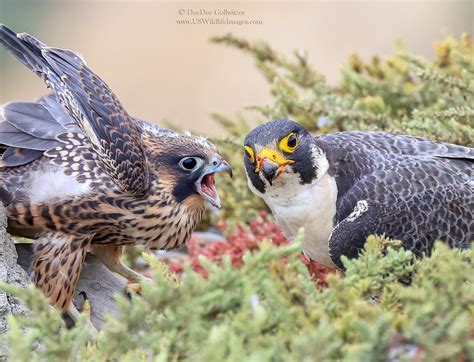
238,241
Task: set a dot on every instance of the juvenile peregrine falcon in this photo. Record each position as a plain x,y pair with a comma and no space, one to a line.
345,186
79,173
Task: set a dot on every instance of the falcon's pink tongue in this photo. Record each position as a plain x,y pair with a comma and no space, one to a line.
208,186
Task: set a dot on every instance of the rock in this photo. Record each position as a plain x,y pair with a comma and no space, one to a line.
11,273
99,283
210,236
101,286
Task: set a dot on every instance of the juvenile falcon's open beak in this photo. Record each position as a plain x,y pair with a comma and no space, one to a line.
206,186
271,164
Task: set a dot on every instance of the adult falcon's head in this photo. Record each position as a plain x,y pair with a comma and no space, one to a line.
279,156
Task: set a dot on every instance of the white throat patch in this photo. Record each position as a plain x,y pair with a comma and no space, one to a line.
312,206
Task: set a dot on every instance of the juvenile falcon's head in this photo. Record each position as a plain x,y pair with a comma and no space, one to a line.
280,154
186,164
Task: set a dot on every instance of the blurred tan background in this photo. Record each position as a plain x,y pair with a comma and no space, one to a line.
163,69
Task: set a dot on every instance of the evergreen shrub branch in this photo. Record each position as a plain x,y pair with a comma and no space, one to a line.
401,93
388,305
270,309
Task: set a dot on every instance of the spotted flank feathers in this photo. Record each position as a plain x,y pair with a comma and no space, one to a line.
77,172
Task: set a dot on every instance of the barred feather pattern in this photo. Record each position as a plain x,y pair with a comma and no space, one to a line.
90,102
78,172
57,264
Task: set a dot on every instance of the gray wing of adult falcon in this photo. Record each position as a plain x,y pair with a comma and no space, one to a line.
416,190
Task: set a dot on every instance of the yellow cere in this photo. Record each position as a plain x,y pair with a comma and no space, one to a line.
250,153
274,156
289,143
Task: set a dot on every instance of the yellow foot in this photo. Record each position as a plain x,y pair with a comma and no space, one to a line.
86,305
133,288
86,309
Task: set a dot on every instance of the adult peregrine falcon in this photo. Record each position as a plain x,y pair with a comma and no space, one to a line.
342,187
79,173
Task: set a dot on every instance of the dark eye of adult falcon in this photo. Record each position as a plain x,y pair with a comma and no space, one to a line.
346,186
79,173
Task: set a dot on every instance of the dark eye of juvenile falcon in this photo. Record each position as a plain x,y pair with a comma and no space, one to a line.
190,163
76,153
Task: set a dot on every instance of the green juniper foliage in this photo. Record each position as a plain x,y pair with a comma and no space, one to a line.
271,310
388,304
401,94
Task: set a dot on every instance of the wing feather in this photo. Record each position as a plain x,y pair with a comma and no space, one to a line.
91,104
397,144
14,156
30,128
14,137
416,201
33,119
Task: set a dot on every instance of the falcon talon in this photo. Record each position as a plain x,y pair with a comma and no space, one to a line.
84,296
77,152
86,307
133,288
345,186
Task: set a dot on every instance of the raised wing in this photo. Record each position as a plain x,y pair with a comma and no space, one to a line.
91,104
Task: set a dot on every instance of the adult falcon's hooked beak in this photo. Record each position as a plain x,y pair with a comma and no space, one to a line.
271,164
206,186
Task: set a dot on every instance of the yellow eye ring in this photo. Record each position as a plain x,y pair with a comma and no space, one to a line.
250,154
289,143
